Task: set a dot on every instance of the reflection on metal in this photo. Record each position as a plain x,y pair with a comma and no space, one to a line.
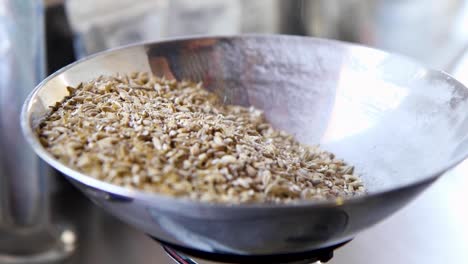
177,257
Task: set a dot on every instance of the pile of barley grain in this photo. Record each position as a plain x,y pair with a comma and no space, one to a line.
175,138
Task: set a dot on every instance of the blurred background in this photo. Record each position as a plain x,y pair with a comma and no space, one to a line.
44,220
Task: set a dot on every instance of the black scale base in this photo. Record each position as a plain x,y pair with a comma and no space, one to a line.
175,252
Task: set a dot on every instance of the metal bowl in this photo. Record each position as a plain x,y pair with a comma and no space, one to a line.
402,125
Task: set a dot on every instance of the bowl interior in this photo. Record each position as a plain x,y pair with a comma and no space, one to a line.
397,122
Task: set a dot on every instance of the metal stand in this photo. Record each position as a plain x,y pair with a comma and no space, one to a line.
181,256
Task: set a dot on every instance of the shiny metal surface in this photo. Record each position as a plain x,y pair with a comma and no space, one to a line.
430,230
369,107
22,66
26,235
